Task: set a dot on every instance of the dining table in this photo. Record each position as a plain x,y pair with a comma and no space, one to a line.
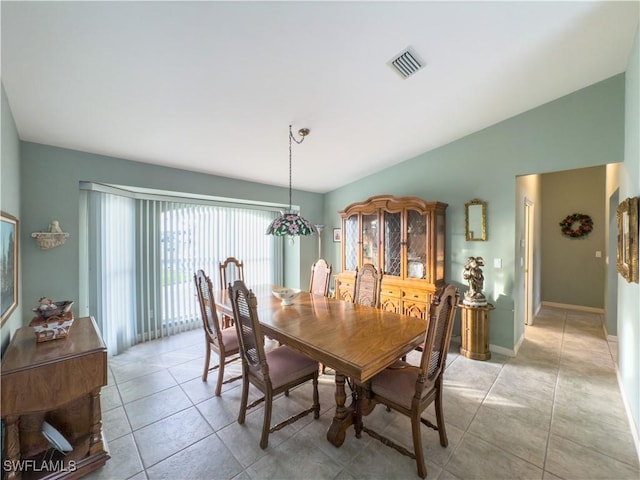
356,341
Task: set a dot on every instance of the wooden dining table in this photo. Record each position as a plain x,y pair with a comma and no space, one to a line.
356,341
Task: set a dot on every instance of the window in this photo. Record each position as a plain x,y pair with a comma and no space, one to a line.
143,253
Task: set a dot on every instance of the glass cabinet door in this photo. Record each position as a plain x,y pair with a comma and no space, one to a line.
392,243
350,242
416,245
370,239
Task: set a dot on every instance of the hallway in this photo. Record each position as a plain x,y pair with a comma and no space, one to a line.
553,412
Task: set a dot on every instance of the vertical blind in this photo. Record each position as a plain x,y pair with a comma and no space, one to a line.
154,257
112,266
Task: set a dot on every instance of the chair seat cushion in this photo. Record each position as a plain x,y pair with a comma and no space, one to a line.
230,340
287,365
397,384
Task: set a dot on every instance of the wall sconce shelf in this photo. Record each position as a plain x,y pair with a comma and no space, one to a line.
51,239
48,240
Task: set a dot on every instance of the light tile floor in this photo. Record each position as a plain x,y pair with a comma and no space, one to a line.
552,412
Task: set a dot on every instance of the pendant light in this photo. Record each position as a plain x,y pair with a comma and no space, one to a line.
290,223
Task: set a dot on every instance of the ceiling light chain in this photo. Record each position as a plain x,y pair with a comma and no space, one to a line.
290,223
303,132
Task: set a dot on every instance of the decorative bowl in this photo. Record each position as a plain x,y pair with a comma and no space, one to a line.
54,309
286,294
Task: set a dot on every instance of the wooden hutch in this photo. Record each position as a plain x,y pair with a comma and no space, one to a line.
404,237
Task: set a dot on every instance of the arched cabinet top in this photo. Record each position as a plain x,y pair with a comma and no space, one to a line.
391,203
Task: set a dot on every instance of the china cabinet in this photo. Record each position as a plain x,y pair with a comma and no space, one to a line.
404,238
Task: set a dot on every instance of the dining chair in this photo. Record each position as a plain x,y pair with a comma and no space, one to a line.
272,372
320,278
319,284
230,270
410,389
224,342
367,286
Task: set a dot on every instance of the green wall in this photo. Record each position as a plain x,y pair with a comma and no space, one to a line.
10,201
579,130
629,293
50,178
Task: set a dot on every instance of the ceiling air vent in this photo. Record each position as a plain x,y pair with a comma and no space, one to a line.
406,63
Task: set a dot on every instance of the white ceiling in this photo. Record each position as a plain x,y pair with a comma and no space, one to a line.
213,86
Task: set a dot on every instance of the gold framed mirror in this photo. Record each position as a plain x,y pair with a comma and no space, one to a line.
627,255
475,220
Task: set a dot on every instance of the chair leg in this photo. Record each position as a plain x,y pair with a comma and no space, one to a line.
221,361
244,399
266,423
358,413
316,398
442,431
417,444
207,359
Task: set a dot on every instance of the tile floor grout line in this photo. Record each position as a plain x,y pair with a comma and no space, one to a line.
467,432
555,393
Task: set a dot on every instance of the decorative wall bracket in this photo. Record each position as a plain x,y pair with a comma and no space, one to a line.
51,239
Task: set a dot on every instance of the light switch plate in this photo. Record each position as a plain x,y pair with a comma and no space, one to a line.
497,263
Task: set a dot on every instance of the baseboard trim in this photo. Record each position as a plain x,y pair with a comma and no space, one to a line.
504,351
538,308
627,408
573,307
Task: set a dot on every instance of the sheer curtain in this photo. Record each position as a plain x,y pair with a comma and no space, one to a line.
112,267
144,252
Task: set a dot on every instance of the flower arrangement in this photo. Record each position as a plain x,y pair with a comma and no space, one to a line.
576,225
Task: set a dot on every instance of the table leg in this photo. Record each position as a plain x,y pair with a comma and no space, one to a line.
348,415
344,415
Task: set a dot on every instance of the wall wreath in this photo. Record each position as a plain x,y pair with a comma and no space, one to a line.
576,225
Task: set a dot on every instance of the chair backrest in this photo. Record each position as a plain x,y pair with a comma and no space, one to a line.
208,312
367,287
320,277
436,344
250,337
231,270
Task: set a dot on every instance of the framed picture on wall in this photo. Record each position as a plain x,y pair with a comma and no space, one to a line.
337,235
627,255
8,265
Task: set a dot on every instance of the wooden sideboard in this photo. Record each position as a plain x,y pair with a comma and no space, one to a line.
58,381
404,238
